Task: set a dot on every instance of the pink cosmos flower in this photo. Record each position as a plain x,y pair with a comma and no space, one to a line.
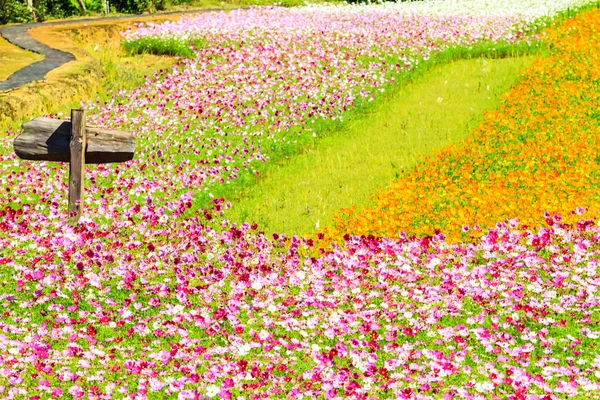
76,391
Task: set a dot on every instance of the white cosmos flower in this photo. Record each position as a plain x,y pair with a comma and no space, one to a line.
212,391
484,387
257,285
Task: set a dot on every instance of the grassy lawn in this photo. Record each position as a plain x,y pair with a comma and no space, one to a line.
438,108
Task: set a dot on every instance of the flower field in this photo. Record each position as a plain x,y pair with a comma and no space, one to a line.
271,77
152,296
537,153
178,309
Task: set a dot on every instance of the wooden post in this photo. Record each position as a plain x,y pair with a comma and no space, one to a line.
76,167
47,139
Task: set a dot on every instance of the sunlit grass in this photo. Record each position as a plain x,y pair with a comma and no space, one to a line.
439,108
169,47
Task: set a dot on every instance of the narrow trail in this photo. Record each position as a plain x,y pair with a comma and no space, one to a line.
54,58
19,36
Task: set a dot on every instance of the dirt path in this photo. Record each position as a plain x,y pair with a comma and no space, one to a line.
19,36
54,58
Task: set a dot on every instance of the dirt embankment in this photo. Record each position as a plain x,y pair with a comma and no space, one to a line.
100,63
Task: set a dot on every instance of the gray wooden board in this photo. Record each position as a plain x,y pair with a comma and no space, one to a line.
47,139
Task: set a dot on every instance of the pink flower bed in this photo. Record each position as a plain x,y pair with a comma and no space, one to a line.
182,310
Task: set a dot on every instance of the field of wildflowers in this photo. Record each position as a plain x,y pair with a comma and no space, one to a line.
267,79
180,310
536,154
151,297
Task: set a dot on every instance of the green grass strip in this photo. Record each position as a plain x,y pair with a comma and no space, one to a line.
440,107
168,46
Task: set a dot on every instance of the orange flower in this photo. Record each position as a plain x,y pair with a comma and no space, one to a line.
538,152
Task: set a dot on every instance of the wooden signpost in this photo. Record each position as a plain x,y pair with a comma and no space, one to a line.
47,139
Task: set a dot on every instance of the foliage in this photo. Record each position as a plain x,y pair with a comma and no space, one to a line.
130,6
14,11
17,10
137,6
94,6
46,9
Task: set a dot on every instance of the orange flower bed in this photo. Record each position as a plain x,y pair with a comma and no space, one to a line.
538,153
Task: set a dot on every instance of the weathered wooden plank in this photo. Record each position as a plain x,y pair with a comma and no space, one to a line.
47,139
77,146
